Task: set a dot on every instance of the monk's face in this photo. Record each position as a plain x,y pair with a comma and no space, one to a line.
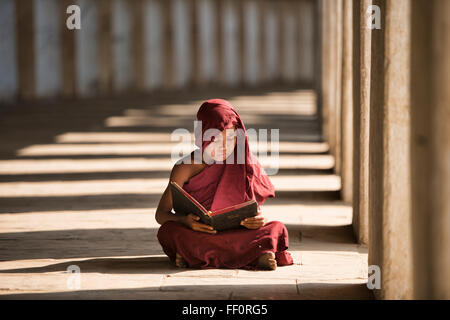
223,144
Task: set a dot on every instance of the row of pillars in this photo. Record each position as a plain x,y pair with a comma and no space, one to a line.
386,115
270,41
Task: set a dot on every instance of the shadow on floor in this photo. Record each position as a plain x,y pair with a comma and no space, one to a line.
332,234
141,265
85,243
150,174
38,122
25,204
301,291
78,203
79,243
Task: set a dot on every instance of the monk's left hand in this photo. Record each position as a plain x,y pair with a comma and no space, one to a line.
255,222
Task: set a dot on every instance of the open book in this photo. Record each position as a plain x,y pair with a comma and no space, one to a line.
222,219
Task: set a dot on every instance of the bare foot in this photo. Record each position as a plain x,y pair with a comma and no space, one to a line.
267,261
180,262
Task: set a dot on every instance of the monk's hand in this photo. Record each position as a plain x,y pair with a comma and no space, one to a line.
191,221
255,222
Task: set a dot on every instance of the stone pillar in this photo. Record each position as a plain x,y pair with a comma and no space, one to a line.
316,42
68,59
105,46
240,6
390,199
279,11
138,45
219,40
326,70
262,38
87,50
167,43
347,103
286,40
122,45
361,107
338,83
194,43
306,33
331,39
25,49
430,147
8,57
47,41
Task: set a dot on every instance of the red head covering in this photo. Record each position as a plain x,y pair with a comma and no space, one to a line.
237,182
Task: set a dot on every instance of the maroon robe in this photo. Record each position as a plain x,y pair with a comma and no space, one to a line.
220,185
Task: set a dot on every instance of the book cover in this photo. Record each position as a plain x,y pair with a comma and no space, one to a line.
220,220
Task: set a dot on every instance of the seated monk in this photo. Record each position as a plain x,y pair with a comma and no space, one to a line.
217,183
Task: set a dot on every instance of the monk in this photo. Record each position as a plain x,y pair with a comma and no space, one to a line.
218,183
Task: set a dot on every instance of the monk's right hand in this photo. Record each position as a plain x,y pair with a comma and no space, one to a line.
191,221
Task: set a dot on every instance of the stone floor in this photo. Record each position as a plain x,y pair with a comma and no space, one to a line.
80,181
